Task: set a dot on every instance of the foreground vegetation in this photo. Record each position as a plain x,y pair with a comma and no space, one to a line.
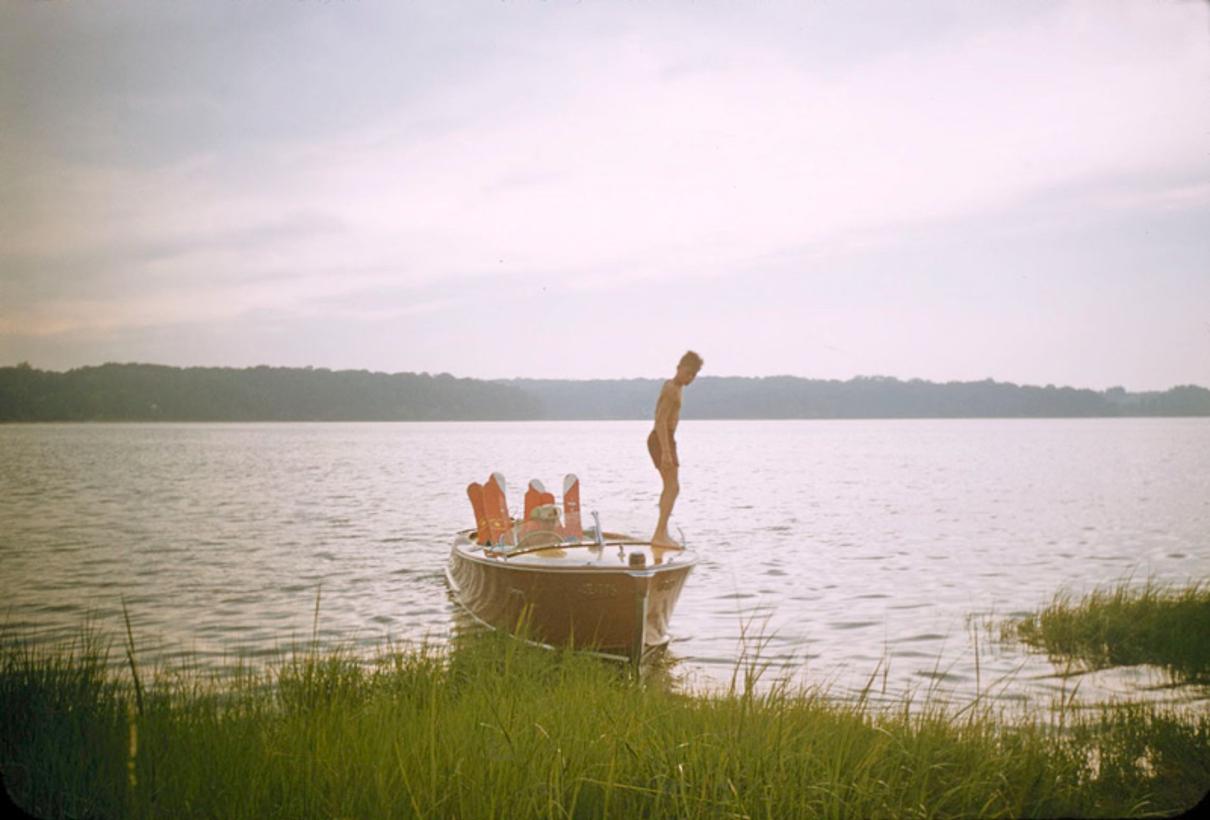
493,728
1167,626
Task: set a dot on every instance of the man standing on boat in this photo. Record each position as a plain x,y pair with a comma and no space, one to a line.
662,441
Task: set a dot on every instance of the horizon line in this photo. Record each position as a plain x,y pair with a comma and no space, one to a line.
854,377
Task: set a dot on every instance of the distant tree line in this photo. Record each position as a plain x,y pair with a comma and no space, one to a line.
791,397
145,392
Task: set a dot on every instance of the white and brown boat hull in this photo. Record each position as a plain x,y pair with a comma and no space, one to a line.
595,597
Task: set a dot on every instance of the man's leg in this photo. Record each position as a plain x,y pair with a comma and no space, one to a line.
667,498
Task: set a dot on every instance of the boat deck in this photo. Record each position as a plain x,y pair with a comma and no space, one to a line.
618,552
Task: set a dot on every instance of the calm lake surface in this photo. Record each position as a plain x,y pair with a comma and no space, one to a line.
853,547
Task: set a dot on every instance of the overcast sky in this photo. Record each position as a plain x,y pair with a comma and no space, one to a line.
944,190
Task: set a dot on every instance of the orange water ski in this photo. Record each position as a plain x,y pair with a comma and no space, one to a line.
495,505
571,506
474,491
533,497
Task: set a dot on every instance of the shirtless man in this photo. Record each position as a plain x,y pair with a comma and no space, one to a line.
662,441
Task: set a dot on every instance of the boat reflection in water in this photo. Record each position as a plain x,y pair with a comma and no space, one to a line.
610,594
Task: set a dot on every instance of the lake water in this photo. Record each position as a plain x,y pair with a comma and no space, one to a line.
850,546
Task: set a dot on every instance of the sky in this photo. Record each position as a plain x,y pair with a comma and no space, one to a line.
940,190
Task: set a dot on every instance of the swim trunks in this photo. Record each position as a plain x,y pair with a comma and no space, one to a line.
653,447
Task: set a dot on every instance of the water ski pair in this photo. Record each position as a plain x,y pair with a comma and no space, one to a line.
493,523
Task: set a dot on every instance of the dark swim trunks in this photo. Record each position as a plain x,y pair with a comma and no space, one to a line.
653,447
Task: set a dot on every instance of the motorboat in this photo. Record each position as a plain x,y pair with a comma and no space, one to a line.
604,592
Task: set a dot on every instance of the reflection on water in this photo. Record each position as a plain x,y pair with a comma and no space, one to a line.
849,552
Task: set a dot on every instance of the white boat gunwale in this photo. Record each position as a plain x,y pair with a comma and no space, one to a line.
472,551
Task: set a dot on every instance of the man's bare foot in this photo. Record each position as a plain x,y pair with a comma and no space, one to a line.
664,542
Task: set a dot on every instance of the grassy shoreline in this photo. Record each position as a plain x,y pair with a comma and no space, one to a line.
1164,625
493,728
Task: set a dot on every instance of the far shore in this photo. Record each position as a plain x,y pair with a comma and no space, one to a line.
149,392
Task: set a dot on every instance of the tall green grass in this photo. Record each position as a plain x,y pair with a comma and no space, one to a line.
1164,625
493,728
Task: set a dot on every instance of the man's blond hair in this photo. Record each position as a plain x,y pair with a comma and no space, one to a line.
691,360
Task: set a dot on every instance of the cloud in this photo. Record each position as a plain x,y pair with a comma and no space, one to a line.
195,302
636,170
334,162
1179,196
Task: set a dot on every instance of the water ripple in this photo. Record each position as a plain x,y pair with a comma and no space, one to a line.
848,544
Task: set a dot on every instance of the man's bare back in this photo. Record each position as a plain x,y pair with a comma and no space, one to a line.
661,443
